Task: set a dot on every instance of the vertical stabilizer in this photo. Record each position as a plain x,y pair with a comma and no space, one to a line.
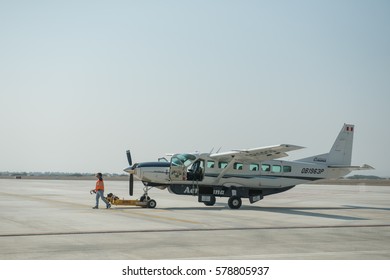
341,152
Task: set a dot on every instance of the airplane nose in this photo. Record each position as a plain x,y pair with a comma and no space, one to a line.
129,170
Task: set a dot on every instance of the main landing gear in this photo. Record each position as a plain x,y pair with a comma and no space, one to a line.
235,202
211,201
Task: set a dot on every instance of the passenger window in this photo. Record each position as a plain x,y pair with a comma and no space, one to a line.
210,164
238,166
286,169
265,167
222,164
253,167
276,168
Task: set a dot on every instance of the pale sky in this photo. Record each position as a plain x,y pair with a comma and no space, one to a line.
83,81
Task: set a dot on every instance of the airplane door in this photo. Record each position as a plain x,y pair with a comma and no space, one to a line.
196,171
179,165
178,173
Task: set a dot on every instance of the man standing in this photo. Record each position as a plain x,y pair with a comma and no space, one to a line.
99,190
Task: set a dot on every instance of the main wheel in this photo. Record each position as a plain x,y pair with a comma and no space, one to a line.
211,202
234,202
152,203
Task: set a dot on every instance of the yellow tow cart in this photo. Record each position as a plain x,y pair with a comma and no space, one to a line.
144,202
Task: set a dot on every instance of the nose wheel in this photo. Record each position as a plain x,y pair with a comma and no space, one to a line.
150,203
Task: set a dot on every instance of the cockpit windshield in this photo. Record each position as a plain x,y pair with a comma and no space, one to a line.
182,159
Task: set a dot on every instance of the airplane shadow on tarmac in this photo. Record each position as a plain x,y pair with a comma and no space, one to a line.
312,212
296,211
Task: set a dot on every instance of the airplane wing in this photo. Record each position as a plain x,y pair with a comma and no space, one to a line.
257,154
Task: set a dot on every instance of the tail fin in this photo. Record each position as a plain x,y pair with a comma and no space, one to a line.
341,152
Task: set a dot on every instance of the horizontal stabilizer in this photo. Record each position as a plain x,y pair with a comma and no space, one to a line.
352,168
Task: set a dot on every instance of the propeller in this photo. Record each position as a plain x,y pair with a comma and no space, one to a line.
131,178
129,157
131,185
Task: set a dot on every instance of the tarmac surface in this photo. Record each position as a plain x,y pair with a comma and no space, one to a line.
54,219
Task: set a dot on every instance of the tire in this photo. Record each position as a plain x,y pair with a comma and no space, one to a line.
152,203
234,202
211,202
143,197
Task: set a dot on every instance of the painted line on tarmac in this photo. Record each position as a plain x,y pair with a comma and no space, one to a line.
187,230
165,218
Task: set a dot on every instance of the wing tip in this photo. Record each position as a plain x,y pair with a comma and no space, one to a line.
292,147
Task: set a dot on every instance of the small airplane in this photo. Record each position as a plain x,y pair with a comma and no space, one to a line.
248,173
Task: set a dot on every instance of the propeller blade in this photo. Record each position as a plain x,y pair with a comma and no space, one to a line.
131,185
129,157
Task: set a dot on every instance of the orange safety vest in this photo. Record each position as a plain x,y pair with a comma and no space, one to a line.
99,185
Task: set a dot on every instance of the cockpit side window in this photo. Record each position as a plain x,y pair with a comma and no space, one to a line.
182,159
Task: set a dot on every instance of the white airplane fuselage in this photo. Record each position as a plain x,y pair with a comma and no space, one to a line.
245,173
280,174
